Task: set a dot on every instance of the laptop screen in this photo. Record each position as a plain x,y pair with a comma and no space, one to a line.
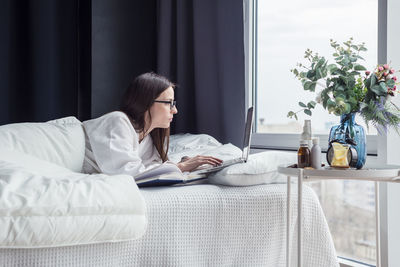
247,134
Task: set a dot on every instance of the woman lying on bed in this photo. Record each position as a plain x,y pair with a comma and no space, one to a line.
136,138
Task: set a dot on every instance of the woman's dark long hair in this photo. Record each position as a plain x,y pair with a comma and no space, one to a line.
137,100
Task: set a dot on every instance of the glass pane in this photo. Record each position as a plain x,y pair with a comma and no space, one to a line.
285,30
349,208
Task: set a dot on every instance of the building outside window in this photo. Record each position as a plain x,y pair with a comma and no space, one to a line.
283,30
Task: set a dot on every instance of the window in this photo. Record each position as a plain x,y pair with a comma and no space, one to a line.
278,33
349,207
283,31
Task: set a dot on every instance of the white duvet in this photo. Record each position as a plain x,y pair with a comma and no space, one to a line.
45,205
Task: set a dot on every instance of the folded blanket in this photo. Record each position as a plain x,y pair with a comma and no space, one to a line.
45,205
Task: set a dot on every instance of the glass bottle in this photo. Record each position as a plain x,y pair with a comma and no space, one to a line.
307,134
303,155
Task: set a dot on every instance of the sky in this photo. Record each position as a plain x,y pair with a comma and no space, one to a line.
286,29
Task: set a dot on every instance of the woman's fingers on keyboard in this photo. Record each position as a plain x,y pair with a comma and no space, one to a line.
212,160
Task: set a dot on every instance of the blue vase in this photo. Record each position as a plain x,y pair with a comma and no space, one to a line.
349,132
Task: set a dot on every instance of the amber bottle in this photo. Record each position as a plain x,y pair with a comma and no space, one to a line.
303,155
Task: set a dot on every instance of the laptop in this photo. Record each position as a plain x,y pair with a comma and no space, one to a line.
245,149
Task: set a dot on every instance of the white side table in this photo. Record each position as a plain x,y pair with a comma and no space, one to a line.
382,173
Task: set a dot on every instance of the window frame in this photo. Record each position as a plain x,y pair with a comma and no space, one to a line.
276,141
377,148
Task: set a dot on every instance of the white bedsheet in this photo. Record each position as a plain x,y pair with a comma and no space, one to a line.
204,225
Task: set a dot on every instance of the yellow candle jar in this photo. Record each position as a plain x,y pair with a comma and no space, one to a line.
340,152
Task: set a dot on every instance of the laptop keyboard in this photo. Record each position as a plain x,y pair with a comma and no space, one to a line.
224,163
230,161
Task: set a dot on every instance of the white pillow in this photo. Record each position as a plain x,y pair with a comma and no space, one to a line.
261,168
59,141
200,144
182,142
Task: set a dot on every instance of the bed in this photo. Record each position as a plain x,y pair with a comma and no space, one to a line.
203,225
191,225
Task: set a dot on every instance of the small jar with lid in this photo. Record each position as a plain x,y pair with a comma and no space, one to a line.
303,155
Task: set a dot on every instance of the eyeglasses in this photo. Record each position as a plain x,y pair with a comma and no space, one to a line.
171,103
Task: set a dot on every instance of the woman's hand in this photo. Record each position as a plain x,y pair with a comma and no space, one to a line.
189,164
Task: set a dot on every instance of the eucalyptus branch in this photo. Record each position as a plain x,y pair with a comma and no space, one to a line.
345,89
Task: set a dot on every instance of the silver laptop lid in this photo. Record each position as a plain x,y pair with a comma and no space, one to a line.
247,134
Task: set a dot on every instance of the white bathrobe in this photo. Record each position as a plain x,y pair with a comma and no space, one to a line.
112,147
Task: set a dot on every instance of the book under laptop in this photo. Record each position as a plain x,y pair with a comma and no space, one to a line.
168,173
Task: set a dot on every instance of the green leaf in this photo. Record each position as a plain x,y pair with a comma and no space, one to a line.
295,116
311,104
377,89
320,63
367,82
354,73
347,108
341,72
310,74
328,82
372,81
359,67
390,83
353,59
319,74
332,67
339,95
301,104
308,112
324,103
362,48
340,88
352,101
383,88
312,86
330,103
306,85
344,62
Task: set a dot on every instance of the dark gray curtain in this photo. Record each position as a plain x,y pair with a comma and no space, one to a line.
41,55
76,57
123,46
200,47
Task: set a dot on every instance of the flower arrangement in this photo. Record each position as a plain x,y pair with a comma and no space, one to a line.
348,87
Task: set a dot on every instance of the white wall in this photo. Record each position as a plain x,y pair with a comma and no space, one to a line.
392,152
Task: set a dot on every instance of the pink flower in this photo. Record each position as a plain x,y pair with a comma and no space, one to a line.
394,78
386,66
367,72
385,74
391,71
380,68
394,88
